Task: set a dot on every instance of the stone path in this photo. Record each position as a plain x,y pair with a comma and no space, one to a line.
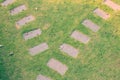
7,2
91,25
18,9
41,77
32,34
112,5
70,50
101,13
57,66
80,37
38,49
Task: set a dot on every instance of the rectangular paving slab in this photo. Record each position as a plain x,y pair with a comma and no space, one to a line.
38,49
57,66
18,9
101,13
31,34
80,37
112,4
89,24
24,21
7,2
71,51
41,77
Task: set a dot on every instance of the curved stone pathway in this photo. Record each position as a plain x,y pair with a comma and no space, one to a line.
54,64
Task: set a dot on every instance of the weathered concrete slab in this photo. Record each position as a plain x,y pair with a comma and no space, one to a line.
18,9
38,49
91,25
24,21
57,66
7,2
32,34
112,5
80,37
71,51
101,13
41,77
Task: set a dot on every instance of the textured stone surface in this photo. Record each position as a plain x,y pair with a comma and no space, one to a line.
71,51
31,34
80,37
112,4
57,66
101,13
89,24
7,2
41,77
18,9
38,49
24,21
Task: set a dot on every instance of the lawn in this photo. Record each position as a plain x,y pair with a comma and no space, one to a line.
97,60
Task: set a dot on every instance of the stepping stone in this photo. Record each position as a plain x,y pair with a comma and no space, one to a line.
38,49
41,77
80,37
89,24
112,5
71,51
7,2
24,21
57,66
101,13
32,34
18,9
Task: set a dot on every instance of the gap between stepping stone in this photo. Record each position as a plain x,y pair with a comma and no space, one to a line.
80,37
41,77
101,13
71,51
57,66
112,5
38,49
32,34
24,21
18,9
7,2
92,26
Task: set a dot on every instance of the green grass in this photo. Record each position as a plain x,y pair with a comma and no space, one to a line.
97,60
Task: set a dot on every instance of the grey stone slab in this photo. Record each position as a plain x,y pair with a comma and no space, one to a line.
18,9
24,21
38,49
101,13
32,34
80,37
57,66
91,25
41,77
7,2
112,4
70,50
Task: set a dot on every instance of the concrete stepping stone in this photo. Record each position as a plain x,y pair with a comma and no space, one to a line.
71,51
80,37
7,2
32,34
101,13
112,5
41,77
18,9
24,21
91,25
57,66
38,49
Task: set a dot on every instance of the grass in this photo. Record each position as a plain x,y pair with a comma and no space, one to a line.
97,60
